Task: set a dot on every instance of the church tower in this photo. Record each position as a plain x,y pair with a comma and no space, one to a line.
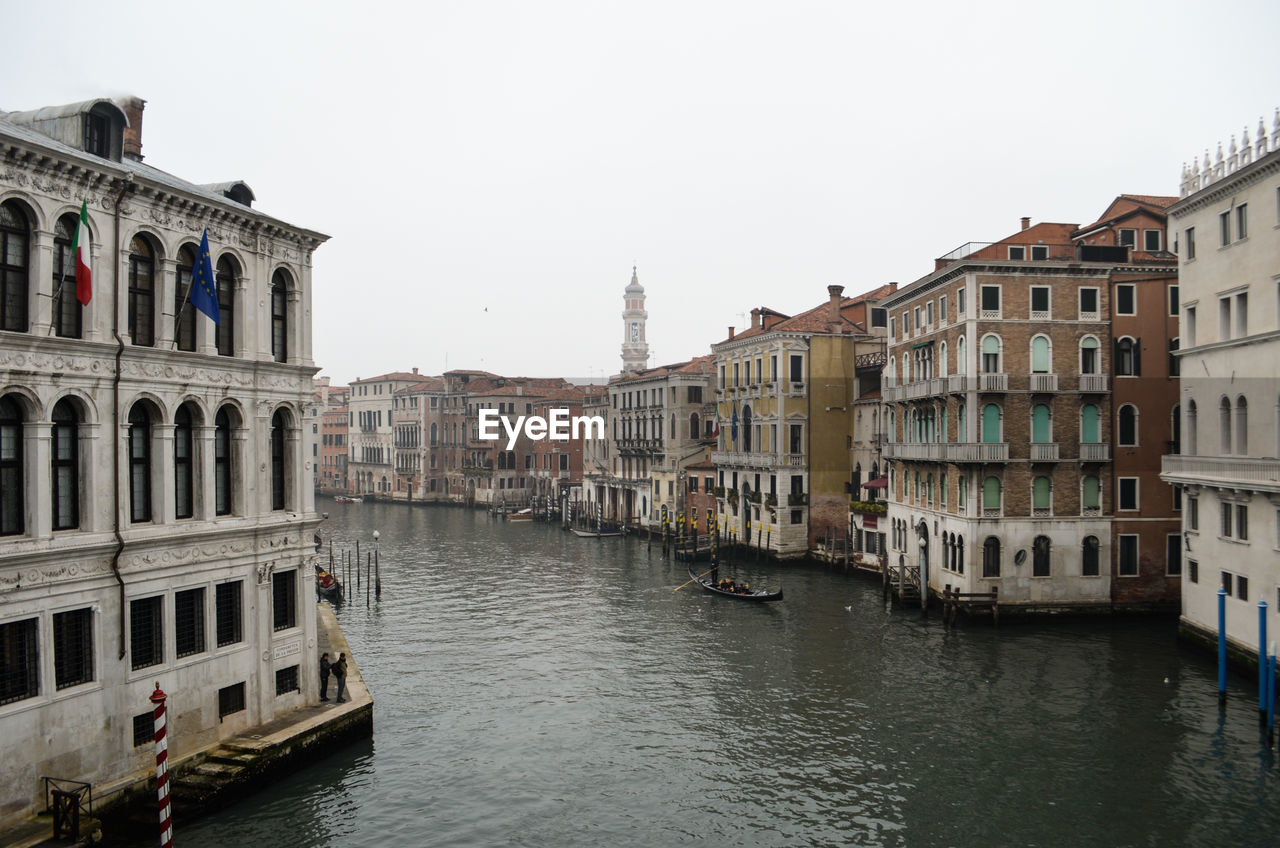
635,350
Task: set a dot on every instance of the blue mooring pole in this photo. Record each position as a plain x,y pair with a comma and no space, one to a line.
1222,646
1271,694
1263,688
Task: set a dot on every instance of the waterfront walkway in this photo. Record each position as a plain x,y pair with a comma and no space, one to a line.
216,776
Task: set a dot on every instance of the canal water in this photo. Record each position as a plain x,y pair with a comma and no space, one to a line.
538,689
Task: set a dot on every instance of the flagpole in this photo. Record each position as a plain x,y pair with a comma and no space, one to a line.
181,309
53,310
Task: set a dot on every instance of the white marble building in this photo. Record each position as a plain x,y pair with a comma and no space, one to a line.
1227,231
156,507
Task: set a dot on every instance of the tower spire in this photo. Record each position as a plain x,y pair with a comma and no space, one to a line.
635,350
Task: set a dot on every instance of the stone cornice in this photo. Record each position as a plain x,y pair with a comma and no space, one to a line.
1229,185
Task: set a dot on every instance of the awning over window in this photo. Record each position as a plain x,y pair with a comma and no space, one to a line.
878,483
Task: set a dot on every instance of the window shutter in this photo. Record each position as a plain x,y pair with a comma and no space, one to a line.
1137,357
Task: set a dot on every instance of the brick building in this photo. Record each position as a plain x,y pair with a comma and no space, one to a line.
1002,426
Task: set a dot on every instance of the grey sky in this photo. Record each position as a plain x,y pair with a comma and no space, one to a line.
490,171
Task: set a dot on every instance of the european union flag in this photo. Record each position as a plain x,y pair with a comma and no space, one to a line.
203,294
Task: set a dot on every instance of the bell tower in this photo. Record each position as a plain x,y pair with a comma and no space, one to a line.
635,350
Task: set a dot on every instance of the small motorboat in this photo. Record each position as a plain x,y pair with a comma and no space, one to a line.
520,515
738,592
347,499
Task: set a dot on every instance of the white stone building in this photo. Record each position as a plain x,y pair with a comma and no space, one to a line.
1227,231
372,433
156,507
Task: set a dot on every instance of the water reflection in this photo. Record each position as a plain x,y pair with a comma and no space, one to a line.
534,688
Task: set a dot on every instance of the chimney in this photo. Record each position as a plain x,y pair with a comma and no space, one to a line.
1026,223
755,317
415,370
731,334
834,292
133,107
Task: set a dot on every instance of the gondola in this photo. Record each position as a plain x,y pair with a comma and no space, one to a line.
758,595
328,587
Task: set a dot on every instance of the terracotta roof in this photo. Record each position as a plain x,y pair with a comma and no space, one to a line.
394,375
431,384
697,365
1127,205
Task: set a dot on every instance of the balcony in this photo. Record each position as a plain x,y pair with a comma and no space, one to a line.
743,458
891,393
977,452
993,382
922,451
1094,452
958,383
1044,382
1255,473
1044,452
1093,383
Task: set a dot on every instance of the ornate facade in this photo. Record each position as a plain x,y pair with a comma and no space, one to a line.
156,469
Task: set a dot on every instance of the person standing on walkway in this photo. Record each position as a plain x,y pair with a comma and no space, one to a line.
324,676
340,671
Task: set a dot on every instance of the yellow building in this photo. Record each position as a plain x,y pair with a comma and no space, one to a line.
786,388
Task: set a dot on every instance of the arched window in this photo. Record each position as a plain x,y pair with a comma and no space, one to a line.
1040,556
962,494
222,462
15,262
746,427
1128,358
1041,495
991,557
225,280
12,484
1090,433
1242,425
991,355
434,434
1191,428
991,494
906,368
991,424
942,359
1089,362
1041,361
67,311
1127,433
184,313
962,366
64,459
278,424
142,308
139,463
960,554
893,369
1041,431
1224,424
1090,496
183,451
279,317
1089,556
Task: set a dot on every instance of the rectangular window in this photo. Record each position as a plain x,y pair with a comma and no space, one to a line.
1173,555
1226,518
1242,221
928,313
906,325
1127,237
1191,243
915,314
1242,522
797,369
1039,251
942,309
188,622
1040,302
1125,303
1193,571
1088,304
1224,228
287,680
795,445
1242,587
227,612
144,729
960,301
1017,252
284,602
991,299
19,661
1228,582
230,700
1128,493
72,647
893,328
797,516
879,316
1128,556
146,632
1151,240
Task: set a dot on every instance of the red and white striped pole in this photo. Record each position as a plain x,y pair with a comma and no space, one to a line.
162,768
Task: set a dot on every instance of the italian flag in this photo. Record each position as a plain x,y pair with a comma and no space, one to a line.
80,247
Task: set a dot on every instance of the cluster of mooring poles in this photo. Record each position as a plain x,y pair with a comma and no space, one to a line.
349,566
1266,668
